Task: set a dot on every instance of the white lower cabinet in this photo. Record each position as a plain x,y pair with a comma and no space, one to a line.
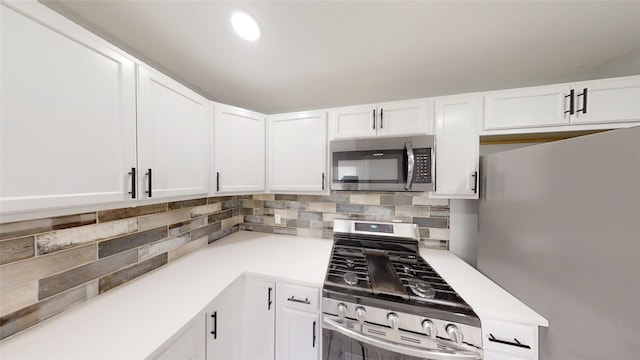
223,328
298,328
258,319
503,340
186,344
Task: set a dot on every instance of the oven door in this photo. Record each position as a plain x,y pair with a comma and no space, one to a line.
344,341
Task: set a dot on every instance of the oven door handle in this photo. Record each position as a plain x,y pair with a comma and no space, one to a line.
401,349
411,160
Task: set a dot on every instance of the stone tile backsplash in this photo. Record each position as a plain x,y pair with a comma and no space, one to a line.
49,265
313,215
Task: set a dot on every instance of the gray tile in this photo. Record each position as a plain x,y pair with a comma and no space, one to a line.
179,228
117,214
263,228
379,210
205,209
438,211
286,197
253,219
309,215
17,249
17,297
163,246
219,199
396,200
285,231
187,203
218,235
349,208
296,205
325,207
32,227
274,204
424,233
231,204
250,211
124,243
206,230
235,211
264,197
340,198
42,266
431,222
68,238
188,248
220,216
71,278
310,198
365,199
413,211
295,223
26,317
232,221
252,203
120,277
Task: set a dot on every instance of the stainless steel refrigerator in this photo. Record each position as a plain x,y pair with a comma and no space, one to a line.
559,228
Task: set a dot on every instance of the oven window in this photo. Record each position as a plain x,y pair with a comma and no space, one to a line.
336,346
368,166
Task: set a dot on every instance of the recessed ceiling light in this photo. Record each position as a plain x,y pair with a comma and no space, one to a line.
245,26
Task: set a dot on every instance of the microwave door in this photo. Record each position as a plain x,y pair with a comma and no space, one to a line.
368,170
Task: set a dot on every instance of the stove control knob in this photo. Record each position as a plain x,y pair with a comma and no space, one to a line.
454,333
394,321
430,328
360,314
342,310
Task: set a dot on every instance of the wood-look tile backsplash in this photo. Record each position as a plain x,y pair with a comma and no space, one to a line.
313,215
49,265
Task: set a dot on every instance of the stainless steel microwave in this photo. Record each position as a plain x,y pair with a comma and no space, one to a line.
383,164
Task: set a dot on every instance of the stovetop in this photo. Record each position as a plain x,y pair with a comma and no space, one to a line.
388,271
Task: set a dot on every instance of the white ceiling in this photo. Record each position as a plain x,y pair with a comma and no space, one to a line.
317,54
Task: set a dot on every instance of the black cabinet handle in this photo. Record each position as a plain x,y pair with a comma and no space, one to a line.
515,342
269,302
373,115
381,118
215,324
571,97
134,180
323,181
584,101
475,182
217,181
305,301
313,344
150,184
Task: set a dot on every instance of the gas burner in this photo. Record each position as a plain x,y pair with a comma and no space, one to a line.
409,271
350,262
350,278
422,289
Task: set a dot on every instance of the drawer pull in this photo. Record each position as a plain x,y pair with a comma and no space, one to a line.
305,301
515,342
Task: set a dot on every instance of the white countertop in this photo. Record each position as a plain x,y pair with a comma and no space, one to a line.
132,321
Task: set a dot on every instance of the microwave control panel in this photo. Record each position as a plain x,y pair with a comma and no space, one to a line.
422,170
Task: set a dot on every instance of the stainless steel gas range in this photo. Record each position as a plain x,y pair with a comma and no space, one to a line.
381,300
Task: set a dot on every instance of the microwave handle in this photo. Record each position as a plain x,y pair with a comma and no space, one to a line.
410,165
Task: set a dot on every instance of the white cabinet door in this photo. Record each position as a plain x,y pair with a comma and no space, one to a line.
400,118
354,122
457,146
172,137
258,319
224,325
68,113
607,101
239,150
297,152
298,335
186,344
528,107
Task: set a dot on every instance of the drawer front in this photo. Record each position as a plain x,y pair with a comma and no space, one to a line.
515,339
298,297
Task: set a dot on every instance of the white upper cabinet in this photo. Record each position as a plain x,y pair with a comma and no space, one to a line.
297,152
398,118
68,113
583,105
606,101
173,123
529,107
457,146
239,150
